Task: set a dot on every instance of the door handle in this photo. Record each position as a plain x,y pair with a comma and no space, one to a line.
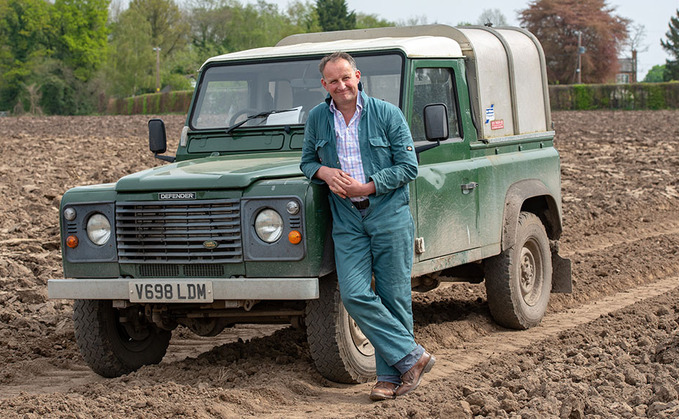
468,187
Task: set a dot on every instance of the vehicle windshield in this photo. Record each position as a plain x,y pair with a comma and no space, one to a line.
232,92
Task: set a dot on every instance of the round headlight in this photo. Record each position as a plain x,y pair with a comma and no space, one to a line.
269,225
98,229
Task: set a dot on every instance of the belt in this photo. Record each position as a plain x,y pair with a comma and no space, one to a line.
362,204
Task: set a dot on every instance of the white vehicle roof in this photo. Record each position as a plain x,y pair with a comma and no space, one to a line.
413,47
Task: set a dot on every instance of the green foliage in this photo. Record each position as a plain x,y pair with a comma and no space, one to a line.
169,28
615,96
25,36
131,61
364,21
303,16
176,81
656,97
582,97
49,53
221,26
81,34
671,45
68,56
333,15
655,74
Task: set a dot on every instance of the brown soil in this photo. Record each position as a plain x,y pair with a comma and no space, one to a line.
609,349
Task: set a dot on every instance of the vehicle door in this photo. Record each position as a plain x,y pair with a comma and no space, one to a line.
446,203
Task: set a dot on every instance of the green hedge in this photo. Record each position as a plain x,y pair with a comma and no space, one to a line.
615,96
151,104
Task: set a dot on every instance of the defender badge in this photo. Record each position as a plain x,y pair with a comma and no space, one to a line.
176,195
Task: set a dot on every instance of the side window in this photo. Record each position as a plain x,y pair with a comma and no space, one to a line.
433,85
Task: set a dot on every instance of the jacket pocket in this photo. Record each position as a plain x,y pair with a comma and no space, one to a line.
381,153
323,151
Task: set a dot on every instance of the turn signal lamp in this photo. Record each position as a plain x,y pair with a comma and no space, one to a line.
295,237
72,242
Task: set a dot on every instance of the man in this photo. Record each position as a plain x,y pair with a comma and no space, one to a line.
362,149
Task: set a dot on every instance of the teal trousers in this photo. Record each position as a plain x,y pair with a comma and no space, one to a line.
380,243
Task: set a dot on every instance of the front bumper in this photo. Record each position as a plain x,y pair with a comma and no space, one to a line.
222,288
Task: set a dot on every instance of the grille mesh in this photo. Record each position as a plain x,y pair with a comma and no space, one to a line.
179,232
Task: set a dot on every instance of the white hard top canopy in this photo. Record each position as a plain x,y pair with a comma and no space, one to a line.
413,47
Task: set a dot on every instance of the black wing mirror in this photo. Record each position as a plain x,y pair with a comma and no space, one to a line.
435,125
436,122
158,139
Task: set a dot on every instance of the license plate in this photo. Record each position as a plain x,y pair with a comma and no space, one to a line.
171,292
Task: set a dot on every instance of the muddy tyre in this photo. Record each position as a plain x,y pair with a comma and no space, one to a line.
338,347
110,348
519,280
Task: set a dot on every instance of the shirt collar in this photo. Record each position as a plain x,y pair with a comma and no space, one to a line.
359,103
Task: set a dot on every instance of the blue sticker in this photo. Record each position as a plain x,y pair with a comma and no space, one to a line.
490,113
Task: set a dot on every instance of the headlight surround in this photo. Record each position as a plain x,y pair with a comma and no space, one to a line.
269,225
98,229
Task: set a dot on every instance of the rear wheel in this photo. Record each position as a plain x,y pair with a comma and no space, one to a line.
339,349
519,280
114,342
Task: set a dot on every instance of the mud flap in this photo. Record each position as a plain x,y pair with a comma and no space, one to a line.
561,274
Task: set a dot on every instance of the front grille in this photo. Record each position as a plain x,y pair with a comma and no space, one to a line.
200,270
152,271
179,232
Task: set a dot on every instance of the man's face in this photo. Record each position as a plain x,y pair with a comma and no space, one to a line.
341,81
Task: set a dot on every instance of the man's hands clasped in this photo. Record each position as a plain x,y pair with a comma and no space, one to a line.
344,185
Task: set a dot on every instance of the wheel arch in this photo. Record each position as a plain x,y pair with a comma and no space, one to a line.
530,195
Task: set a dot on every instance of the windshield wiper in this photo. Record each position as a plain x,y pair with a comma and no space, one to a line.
255,116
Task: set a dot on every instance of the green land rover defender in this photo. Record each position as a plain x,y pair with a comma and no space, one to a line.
229,231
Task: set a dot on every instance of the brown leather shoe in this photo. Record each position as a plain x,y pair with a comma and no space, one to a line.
383,390
411,378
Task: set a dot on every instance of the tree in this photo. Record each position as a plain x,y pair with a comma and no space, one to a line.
303,16
81,35
557,24
169,29
364,21
333,15
49,52
635,39
26,36
131,60
671,45
492,17
414,21
655,74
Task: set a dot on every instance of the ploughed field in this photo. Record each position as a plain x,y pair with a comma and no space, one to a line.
609,349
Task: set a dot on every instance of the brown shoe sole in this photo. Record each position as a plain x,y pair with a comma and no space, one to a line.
378,397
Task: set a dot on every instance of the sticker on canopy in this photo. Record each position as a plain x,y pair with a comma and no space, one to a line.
490,113
499,124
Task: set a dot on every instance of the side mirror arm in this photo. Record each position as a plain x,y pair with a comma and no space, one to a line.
170,159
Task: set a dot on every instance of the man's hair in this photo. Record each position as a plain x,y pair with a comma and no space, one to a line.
339,55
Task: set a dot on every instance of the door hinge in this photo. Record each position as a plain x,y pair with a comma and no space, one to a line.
419,245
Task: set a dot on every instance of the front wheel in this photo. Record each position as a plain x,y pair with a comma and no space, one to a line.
115,342
519,280
339,349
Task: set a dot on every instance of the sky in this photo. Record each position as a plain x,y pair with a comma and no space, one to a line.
654,15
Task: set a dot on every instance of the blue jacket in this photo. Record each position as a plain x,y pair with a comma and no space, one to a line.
387,149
